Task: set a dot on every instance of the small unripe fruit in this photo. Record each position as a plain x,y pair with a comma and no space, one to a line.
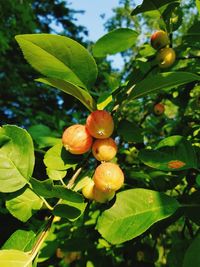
159,40
104,149
100,124
108,177
102,197
165,57
87,190
76,139
159,109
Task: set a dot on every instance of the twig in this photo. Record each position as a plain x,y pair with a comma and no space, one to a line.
72,180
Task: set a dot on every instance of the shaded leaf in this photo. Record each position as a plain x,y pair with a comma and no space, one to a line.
192,255
130,131
134,211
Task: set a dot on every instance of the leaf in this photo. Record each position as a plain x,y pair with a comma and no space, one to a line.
69,210
14,258
192,255
43,135
172,154
115,41
165,80
148,5
16,159
198,5
71,89
48,190
57,158
134,211
21,240
192,207
104,100
130,132
59,57
55,174
24,205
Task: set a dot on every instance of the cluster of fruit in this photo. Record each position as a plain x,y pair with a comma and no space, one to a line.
165,55
95,135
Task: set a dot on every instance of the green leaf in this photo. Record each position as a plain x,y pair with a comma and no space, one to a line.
43,135
130,132
24,205
21,240
115,41
198,5
192,256
14,258
69,210
59,57
134,211
172,154
165,80
48,190
16,158
148,5
104,100
55,174
83,96
57,158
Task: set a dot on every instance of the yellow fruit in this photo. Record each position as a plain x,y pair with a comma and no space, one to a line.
165,57
104,149
76,139
87,190
159,40
102,197
108,177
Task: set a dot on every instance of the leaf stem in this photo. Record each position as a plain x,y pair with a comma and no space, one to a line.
73,179
46,203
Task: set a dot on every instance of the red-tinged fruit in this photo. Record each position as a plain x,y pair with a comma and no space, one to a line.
166,57
102,197
87,190
100,124
108,177
159,40
159,109
104,149
76,139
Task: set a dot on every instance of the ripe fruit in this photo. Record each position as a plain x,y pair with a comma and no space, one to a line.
100,124
76,139
159,109
87,190
102,197
108,177
159,40
165,57
104,149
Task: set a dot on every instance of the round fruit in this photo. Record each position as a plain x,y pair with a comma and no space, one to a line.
159,40
108,177
165,57
159,109
102,197
104,149
100,124
87,190
76,139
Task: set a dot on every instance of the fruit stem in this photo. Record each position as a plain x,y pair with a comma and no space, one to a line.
72,180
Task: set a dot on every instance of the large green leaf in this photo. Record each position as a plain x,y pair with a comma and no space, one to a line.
171,154
24,205
21,240
59,57
115,41
71,89
198,5
134,211
148,5
14,258
165,80
16,158
43,135
47,189
192,256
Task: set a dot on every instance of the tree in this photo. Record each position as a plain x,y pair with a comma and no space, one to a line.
153,218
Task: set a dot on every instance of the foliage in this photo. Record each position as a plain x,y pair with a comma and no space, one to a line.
154,218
